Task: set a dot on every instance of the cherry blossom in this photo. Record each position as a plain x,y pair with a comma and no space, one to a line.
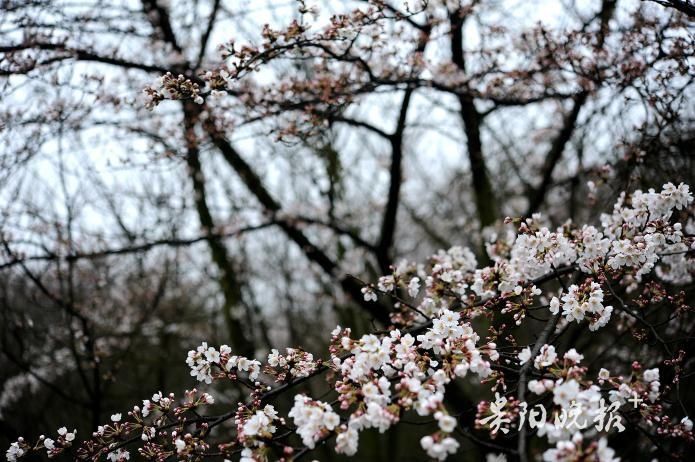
379,377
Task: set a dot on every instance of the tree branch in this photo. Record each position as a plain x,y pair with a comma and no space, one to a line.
208,31
388,224
684,6
537,195
272,207
159,18
486,204
228,280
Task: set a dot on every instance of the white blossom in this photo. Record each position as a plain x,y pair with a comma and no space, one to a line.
414,287
651,375
313,419
439,450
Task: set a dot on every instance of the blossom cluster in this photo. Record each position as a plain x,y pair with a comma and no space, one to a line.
53,447
583,302
204,359
170,87
643,227
255,426
377,378
641,231
314,419
381,378
578,449
295,363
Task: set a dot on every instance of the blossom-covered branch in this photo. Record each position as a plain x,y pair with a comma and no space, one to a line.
379,378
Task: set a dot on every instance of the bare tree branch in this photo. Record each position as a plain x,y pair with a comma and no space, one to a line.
684,6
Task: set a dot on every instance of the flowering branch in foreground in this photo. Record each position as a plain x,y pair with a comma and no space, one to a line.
633,261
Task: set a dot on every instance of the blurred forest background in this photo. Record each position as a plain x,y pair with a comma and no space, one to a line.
128,235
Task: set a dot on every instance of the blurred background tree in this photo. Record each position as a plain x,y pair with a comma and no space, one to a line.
240,212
